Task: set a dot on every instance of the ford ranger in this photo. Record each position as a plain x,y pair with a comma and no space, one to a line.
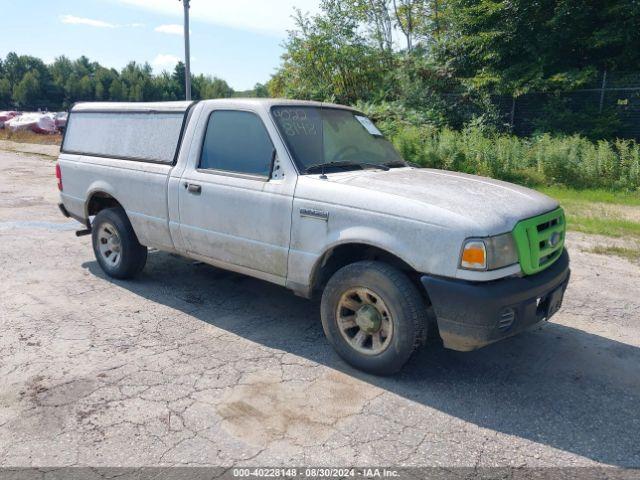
311,196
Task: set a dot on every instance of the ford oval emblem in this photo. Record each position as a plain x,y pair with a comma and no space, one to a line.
555,239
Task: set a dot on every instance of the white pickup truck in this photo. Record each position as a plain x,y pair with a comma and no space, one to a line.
311,196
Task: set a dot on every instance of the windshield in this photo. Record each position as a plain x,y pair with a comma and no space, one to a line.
333,138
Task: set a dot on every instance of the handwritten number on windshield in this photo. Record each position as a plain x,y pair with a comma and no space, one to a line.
295,122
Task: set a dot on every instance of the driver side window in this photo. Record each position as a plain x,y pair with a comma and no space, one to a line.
238,142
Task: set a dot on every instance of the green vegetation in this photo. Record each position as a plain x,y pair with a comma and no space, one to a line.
601,212
435,93
460,58
609,227
632,254
569,196
517,46
539,161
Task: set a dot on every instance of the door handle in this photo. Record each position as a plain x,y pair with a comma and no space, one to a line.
193,188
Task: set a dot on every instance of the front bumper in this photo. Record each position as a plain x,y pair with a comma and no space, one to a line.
471,315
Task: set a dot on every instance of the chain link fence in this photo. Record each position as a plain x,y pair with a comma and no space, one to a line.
613,100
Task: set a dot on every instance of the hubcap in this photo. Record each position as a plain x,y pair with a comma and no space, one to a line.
109,244
364,321
368,319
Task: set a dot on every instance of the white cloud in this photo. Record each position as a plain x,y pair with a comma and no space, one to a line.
165,61
265,16
173,29
70,19
73,20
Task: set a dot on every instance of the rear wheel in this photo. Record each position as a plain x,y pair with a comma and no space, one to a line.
374,316
115,244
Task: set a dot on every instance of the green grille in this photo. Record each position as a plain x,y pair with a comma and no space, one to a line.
535,238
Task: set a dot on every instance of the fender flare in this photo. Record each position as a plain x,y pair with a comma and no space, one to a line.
361,235
97,187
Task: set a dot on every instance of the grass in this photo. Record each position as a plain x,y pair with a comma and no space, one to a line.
30,137
604,226
544,160
599,212
628,253
573,169
569,195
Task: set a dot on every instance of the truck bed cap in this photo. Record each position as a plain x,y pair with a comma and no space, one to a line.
131,106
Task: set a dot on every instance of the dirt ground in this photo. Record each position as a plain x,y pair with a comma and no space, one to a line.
190,365
33,148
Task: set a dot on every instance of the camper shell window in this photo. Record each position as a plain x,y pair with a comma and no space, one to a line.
142,136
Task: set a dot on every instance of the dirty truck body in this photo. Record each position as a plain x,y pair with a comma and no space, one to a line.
310,196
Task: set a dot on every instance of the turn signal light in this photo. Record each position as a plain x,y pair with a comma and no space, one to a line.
474,255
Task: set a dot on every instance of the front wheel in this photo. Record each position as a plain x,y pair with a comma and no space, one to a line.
374,316
115,244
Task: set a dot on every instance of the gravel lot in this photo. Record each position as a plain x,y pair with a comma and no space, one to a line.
193,365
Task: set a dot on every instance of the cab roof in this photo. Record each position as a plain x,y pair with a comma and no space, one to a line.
184,105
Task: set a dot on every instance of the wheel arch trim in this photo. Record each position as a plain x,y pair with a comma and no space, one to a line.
99,187
356,240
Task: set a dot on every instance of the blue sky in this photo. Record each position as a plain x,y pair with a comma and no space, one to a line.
237,40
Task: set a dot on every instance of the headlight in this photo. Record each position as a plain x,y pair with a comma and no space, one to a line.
489,253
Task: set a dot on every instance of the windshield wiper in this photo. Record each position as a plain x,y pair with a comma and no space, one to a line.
362,165
401,164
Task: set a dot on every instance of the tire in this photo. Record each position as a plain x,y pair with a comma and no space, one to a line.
396,309
115,244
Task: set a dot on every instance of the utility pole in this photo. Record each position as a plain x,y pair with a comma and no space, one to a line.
187,53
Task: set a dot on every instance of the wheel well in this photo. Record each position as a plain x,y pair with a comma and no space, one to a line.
100,201
343,255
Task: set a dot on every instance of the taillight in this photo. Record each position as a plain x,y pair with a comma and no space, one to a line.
59,176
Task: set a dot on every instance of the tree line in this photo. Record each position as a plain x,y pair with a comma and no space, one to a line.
27,83
448,62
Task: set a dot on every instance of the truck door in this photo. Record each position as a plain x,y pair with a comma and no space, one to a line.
234,212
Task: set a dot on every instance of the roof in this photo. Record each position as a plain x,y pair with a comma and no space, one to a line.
182,106
271,102
131,106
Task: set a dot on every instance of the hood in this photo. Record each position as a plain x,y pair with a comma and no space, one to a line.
491,205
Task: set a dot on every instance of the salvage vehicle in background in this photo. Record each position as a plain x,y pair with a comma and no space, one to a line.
5,116
36,122
311,196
